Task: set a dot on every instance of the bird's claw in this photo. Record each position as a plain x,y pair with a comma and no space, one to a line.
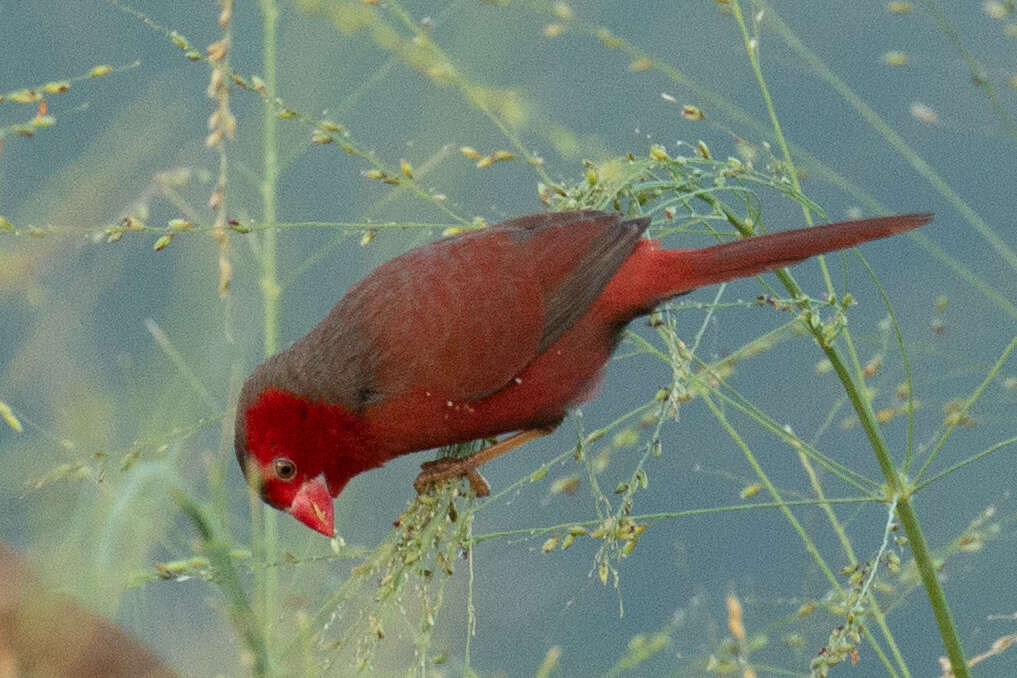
447,468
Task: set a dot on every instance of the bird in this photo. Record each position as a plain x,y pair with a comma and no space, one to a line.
498,330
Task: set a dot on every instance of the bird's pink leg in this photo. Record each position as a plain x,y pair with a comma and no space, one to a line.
446,468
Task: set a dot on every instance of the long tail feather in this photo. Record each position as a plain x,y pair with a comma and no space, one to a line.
750,256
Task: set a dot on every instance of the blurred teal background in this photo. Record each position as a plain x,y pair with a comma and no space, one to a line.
113,422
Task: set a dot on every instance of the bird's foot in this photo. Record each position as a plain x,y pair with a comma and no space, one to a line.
446,468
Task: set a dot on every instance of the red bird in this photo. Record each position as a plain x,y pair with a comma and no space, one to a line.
496,330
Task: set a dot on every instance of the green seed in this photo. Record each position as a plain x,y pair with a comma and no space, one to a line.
99,71
8,416
163,242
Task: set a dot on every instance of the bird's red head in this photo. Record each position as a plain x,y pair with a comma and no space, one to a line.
289,451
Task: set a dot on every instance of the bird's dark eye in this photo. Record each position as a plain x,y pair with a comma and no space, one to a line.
284,468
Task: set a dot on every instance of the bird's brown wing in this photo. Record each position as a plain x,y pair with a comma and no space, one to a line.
462,316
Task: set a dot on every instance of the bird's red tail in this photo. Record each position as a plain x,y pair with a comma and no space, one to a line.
750,256
652,275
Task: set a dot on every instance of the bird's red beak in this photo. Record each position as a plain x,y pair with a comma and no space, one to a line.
313,506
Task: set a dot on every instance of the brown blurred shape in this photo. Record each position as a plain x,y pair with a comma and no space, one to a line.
48,635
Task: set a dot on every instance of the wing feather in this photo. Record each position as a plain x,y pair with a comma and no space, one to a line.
462,316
